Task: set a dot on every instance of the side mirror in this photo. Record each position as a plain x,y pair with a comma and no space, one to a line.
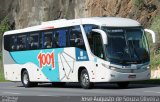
103,34
152,33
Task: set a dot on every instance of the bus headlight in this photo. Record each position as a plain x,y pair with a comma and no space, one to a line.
112,68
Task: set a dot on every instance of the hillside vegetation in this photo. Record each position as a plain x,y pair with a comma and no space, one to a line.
4,26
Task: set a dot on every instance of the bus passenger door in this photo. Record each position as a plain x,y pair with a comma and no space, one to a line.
96,45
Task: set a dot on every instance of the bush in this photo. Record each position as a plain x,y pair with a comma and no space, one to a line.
138,3
1,70
4,25
155,48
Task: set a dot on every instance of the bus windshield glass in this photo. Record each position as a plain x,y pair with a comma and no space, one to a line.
126,45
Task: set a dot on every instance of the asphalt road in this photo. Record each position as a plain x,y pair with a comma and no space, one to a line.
72,89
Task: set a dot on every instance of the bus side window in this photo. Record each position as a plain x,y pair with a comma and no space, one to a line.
21,42
10,42
60,38
90,40
34,41
72,39
88,28
13,43
55,39
48,40
76,38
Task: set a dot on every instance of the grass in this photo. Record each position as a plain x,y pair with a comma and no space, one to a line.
2,78
1,71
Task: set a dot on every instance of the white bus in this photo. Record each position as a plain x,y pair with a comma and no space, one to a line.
86,50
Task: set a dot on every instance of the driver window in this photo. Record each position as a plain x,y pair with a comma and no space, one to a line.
96,45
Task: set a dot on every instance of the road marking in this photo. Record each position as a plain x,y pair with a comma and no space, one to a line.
11,93
152,92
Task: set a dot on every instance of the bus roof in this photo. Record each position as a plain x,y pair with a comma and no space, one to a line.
101,21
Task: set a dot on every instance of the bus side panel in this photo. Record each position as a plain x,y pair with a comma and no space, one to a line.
11,70
42,68
67,65
13,66
102,70
44,60
70,61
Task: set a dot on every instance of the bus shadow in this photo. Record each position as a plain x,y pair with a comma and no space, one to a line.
131,86
96,86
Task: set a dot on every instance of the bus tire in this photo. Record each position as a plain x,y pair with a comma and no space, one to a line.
84,80
25,80
123,85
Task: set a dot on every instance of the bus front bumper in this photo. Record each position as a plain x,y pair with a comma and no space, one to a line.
115,76
118,76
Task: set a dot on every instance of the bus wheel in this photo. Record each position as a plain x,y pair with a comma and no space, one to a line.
123,84
84,80
25,80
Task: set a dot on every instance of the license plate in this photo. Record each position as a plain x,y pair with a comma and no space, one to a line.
131,76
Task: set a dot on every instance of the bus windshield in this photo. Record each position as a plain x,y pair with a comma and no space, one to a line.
126,45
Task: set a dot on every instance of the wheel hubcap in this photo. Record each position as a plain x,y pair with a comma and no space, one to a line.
25,79
85,79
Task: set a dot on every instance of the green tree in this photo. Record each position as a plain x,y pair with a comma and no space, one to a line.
4,25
